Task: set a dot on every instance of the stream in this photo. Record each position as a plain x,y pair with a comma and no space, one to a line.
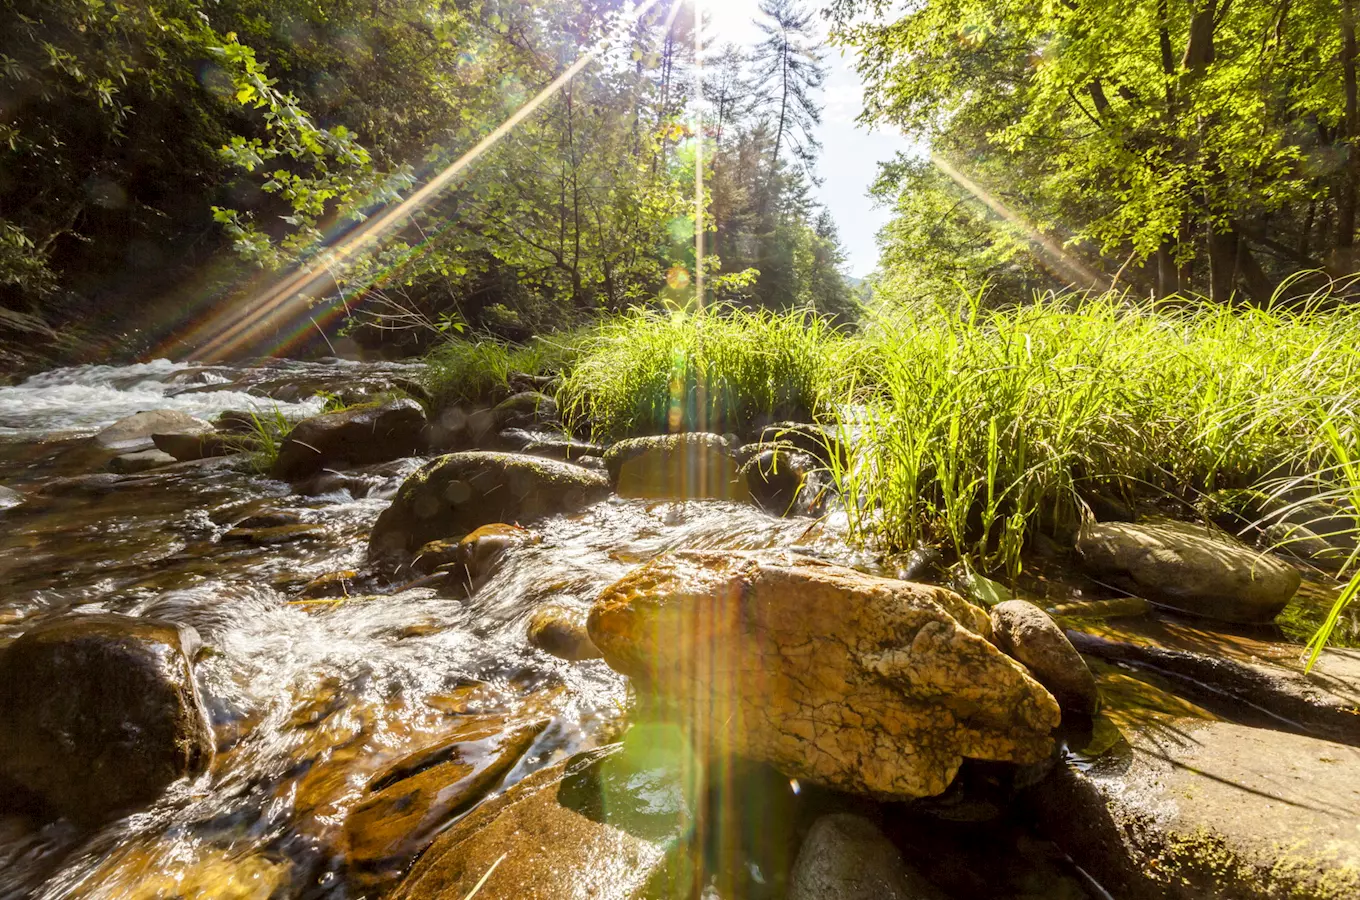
308,700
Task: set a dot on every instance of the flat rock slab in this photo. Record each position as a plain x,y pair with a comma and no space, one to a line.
1190,568
604,825
134,432
863,684
1211,810
1249,680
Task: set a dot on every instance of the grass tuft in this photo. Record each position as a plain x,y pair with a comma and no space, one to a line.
478,371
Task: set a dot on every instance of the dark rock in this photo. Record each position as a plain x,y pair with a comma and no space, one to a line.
1190,568
846,857
134,432
821,442
1316,531
366,435
1255,690
278,534
526,410
776,479
188,447
676,467
459,428
1027,633
472,558
145,460
456,494
561,631
1196,810
100,713
563,448
408,803
237,421
608,825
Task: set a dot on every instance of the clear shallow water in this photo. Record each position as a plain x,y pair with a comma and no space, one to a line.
307,700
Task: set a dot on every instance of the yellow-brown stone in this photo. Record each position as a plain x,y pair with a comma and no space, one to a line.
859,683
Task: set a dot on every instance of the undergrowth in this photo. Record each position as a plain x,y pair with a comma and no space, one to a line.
722,369
478,371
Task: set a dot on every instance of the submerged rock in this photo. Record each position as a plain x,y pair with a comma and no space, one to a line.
412,799
370,434
9,497
676,467
1211,809
143,461
561,631
1190,568
1027,633
134,432
456,494
563,448
846,857
604,825
99,713
854,682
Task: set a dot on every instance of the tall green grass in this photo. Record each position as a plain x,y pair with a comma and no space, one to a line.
981,427
478,371
722,369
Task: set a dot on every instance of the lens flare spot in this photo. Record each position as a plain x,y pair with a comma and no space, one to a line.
677,279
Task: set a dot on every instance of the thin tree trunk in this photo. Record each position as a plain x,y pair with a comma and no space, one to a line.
1345,225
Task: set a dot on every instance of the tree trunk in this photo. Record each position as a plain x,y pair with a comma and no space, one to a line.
1345,225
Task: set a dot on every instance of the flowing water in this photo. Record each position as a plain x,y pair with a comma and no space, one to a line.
307,700
312,701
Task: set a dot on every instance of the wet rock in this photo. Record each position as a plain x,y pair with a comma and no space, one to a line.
1313,530
146,870
143,461
329,586
277,534
134,432
9,497
187,447
821,442
1211,809
607,825
473,558
459,428
1025,632
456,494
776,479
529,409
561,631
412,799
365,435
563,448
1252,682
846,857
238,421
1190,568
858,683
100,713
676,467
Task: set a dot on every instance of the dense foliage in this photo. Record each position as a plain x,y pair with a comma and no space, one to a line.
1191,146
142,137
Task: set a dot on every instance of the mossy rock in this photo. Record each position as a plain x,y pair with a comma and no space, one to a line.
454,495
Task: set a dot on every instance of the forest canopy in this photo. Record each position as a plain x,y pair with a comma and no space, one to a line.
154,146
1177,146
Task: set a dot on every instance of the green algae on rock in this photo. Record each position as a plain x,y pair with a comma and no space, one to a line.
1196,810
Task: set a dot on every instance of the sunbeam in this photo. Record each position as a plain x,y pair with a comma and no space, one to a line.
243,325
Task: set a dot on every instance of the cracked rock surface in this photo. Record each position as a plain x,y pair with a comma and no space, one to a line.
858,683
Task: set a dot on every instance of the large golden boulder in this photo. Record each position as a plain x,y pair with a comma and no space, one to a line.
862,684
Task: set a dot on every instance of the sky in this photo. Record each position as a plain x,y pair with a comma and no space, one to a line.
850,153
